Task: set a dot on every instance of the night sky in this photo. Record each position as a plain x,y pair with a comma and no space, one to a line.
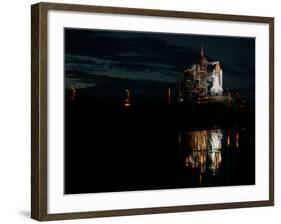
104,62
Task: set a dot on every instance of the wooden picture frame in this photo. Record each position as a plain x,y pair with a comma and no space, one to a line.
39,110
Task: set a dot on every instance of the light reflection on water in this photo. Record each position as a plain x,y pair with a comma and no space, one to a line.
203,148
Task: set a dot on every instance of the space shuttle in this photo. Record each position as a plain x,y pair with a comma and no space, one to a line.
216,89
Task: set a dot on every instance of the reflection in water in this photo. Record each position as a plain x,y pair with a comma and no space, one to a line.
203,149
237,140
228,138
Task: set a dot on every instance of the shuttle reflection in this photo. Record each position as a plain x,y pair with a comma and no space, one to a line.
204,150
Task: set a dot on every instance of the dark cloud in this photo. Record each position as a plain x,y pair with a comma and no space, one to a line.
116,58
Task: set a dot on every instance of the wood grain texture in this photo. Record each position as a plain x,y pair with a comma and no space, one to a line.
271,111
39,203
153,12
34,113
38,112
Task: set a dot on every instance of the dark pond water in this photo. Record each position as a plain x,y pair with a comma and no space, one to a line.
110,149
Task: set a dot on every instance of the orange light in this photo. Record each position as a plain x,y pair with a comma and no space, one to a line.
228,139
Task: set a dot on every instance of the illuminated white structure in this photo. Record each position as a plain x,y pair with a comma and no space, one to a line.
127,101
216,89
202,82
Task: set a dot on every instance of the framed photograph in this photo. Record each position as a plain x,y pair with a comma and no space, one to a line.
138,111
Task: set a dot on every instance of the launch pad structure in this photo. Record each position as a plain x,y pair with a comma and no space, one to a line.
202,83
